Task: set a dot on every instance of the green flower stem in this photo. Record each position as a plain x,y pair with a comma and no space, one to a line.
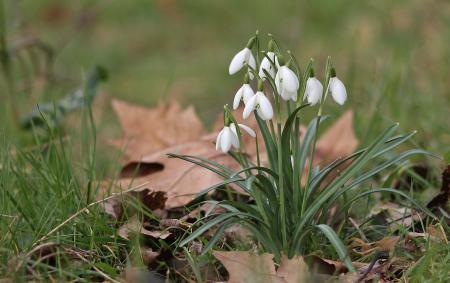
281,193
296,177
281,188
311,162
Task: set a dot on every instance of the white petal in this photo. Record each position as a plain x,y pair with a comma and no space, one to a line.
289,79
250,59
274,58
248,130
250,106
278,81
314,90
292,96
338,91
238,61
265,106
261,114
218,140
238,97
233,128
285,95
247,92
234,141
225,139
267,65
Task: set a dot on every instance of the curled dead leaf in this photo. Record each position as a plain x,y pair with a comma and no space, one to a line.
363,248
134,225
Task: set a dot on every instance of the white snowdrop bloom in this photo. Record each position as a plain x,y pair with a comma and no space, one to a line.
239,60
287,83
262,105
244,93
337,90
225,139
313,90
243,127
228,137
266,64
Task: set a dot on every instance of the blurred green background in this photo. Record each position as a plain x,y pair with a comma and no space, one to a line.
394,56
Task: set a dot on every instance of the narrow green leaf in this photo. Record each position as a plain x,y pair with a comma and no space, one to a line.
338,245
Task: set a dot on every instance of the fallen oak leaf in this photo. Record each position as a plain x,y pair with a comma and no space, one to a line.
337,141
148,130
248,267
292,270
181,180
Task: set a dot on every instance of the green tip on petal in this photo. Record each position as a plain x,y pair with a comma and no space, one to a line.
226,116
246,78
333,72
290,63
260,85
251,41
281,61
271,45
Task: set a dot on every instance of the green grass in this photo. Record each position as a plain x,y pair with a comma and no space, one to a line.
392,55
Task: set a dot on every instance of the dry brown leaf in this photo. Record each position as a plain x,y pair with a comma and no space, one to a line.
237,232
247,267
437,233
338,141
386,244
134,225
395,215
149,130
181,180
149,256
292,270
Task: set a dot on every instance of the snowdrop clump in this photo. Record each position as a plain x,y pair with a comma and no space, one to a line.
289,197
277,78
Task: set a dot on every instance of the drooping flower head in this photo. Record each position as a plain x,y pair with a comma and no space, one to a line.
286,81
266,64
314,89
242,58
337,88
260,103
228,136
244,93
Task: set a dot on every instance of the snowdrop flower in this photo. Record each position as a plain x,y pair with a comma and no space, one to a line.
228,137
261,104
314,89
239,60
337,89
266,64
244,93
286,82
